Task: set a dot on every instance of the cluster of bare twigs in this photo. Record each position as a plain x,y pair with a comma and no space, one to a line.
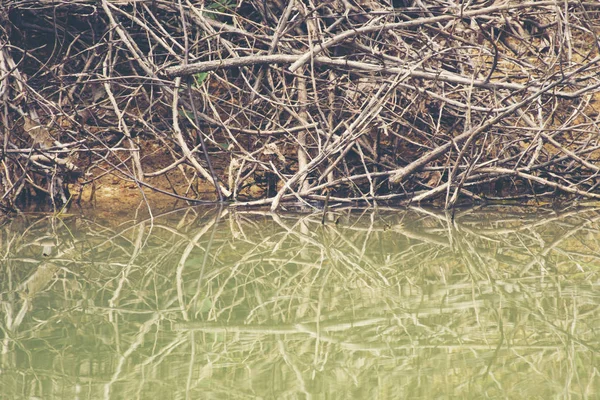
202,301
365,100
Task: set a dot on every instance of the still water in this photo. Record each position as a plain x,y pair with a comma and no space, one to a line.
242,304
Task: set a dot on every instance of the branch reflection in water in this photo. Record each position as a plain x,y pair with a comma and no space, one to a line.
231,303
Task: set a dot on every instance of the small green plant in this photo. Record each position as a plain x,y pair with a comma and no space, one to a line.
199,78
218,8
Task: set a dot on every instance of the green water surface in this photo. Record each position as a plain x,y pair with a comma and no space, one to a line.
208,303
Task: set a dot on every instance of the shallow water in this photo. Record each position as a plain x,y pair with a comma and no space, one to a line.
227,304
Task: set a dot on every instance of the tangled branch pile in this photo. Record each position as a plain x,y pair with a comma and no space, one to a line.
352,100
